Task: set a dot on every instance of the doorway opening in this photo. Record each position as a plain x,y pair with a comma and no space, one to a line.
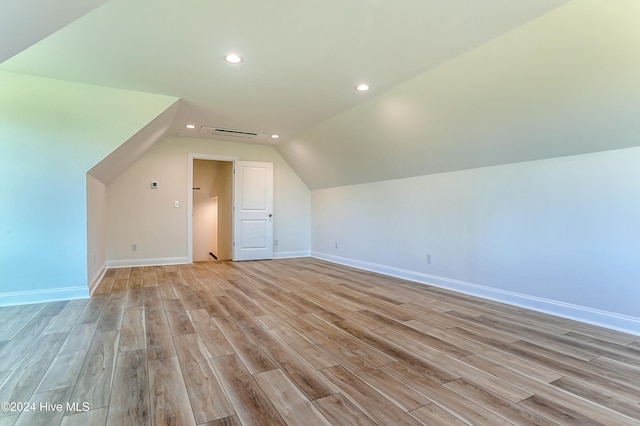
243,217
211,210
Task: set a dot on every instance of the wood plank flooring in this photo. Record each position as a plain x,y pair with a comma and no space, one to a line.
304,342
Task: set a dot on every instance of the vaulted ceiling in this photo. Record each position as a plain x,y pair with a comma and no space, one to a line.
444,73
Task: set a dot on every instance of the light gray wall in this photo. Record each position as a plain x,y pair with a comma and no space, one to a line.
51,133
564,230
514,165
96,230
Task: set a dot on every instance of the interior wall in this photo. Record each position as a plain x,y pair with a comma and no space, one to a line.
223,190
204,210
51,134
559,235
215,250
205,219
96,230
137,213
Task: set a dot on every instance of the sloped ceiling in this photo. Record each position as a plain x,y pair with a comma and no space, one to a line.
135,147
564,84
456,83
25,22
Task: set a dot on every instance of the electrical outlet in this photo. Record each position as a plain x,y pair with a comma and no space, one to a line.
429,258
134,247
275,242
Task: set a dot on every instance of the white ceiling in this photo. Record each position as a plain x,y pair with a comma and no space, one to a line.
561,85
456,84
302,58
25,22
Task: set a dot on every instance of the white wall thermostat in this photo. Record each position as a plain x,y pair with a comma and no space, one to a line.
154,185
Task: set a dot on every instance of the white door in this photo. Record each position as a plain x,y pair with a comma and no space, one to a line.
253,211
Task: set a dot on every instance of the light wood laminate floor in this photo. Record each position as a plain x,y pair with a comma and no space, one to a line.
304,342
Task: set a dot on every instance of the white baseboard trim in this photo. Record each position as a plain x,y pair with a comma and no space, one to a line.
43,296
291,254
128,263
93,283
614,321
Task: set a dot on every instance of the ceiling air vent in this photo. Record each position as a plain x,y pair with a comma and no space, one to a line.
227,132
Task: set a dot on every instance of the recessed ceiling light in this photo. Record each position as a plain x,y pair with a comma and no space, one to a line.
232,58
190,126
363,87
275,136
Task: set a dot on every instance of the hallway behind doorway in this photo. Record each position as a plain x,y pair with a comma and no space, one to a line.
212,210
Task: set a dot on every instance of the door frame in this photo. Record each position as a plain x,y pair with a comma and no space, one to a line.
212,157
